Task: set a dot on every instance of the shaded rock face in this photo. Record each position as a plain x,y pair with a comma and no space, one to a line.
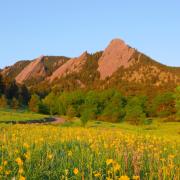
71,66
35,69
116,55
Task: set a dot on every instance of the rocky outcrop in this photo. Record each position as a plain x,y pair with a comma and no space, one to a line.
116,55
71,66
35,69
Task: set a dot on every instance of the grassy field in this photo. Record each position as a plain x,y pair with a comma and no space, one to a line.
99,151
9,115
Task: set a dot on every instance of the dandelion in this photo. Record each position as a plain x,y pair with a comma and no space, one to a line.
75,171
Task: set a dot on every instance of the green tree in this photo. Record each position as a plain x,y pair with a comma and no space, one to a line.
115,109
51,101
164,104
86,115
71,112
34,103
15,103
177,101
3,102
1,85
134,111
23,95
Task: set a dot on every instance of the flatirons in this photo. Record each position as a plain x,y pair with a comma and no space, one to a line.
119,66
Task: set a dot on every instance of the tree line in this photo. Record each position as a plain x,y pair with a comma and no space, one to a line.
13,95
108,105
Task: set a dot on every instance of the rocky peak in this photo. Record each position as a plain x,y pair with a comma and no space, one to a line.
116,55
72,65
34,70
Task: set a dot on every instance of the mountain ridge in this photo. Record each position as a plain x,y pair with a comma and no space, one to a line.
117,66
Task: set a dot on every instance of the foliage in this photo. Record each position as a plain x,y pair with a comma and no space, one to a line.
34,103
177,101
15,104
134,111
3,102
163,104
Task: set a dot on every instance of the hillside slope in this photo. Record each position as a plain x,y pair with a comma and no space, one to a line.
118,66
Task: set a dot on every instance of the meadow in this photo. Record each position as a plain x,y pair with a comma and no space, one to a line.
98,151
7,115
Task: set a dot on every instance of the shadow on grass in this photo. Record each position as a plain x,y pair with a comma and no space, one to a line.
45,120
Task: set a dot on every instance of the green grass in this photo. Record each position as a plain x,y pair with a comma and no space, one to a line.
158,128
10,115
102,150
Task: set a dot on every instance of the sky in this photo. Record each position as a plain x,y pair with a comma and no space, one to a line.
30,28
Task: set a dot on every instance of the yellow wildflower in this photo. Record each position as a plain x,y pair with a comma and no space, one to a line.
5,162
75,171
116,167
97,174
1,168
21,171
69,153
27,155
26,145
136,178
50,156
22,178
7,172
19,161
124,178
109,161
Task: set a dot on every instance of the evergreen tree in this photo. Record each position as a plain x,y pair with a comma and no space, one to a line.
34,103
23,95
1,85
12,90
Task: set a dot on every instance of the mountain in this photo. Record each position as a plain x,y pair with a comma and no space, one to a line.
73,65
116,55
118,66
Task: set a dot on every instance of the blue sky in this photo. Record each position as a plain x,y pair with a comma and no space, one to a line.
30,28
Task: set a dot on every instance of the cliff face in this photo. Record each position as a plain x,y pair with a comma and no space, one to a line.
34,70
71,66
116,55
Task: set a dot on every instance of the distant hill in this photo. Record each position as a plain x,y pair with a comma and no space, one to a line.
118,66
